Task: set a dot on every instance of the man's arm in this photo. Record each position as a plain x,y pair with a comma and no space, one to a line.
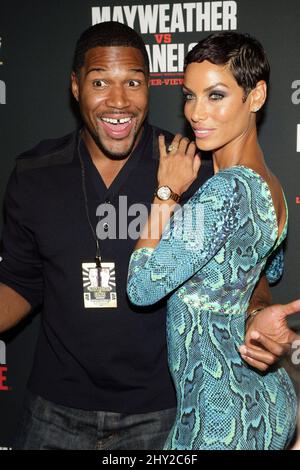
269,337
261,297
21,266
13,308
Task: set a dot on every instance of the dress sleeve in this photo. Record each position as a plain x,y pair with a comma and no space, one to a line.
20,262
191,238
275,265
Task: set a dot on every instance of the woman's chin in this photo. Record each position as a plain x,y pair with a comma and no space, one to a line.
204,146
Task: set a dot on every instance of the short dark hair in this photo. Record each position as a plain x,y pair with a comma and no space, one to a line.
107,34
244,55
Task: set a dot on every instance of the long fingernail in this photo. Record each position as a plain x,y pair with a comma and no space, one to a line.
243,350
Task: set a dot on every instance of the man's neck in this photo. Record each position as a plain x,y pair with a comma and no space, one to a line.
107,167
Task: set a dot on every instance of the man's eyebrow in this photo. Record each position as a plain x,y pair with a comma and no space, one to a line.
138,71
95,69
102,69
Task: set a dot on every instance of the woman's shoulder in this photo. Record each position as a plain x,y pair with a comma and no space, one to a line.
241,172
236,183
225,183
239,185
261,195
246,180
219,191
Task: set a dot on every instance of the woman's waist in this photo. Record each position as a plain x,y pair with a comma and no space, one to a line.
205,308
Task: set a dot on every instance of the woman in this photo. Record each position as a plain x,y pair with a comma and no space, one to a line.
211,254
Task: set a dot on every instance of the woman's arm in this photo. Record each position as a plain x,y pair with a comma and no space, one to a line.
190,239
177,169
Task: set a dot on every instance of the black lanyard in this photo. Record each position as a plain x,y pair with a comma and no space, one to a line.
83,182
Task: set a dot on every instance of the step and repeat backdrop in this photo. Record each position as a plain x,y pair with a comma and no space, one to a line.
37,40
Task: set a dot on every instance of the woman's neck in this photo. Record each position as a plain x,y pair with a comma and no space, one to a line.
245,150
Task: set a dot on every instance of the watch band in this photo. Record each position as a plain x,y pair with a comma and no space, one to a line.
174,196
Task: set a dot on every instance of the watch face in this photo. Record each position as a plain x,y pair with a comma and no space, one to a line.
164,193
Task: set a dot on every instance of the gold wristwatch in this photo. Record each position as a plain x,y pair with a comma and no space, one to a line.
164,193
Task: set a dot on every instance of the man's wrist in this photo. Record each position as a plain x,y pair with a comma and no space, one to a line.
250,315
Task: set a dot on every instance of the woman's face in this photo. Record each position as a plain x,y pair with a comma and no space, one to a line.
214,105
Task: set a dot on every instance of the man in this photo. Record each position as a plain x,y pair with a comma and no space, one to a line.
100,378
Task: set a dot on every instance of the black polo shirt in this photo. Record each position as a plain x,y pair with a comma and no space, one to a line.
97,358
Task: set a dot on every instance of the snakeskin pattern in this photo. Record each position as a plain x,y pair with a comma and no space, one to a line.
208,271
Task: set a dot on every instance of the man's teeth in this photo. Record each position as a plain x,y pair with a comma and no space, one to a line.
117,121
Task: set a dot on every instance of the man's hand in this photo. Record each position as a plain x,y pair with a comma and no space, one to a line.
268,336
13,308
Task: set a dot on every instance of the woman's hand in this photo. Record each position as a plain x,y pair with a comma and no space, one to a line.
179,167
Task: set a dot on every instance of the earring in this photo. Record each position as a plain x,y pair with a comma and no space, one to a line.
255,110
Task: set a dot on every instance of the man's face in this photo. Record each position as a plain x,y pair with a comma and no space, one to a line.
112,92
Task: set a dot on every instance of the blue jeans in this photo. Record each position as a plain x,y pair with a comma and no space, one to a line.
46,425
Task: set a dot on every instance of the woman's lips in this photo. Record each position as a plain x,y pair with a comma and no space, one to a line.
202,132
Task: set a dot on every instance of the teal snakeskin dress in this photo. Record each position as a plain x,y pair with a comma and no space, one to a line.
208,262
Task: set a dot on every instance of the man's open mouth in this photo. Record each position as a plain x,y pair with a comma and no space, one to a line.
117,128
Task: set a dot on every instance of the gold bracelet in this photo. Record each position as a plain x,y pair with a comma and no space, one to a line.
253,313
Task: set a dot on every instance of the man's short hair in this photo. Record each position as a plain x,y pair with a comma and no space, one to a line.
108,34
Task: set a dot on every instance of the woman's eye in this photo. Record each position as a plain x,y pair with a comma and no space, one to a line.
216,95
187,96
